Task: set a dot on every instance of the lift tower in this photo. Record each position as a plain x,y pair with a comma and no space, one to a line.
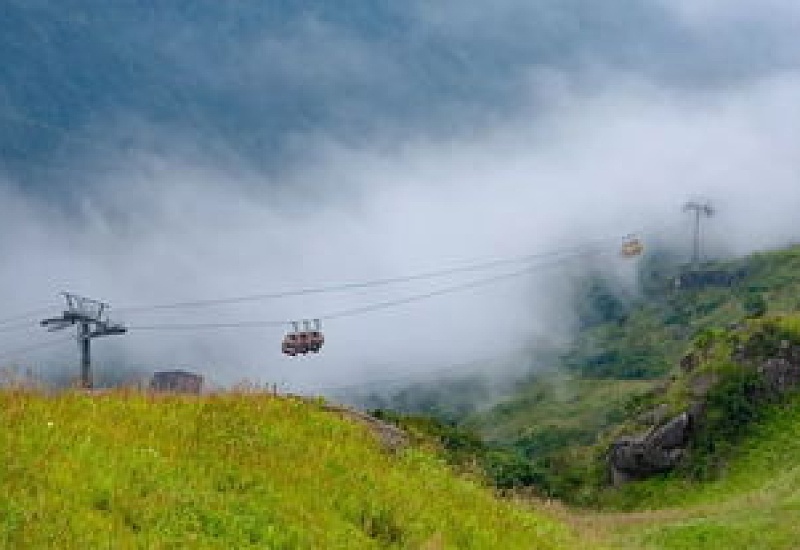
698,209
92,322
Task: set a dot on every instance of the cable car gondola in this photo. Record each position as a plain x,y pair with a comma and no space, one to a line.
302,342
631,247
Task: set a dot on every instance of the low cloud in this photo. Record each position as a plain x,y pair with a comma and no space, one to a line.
591,163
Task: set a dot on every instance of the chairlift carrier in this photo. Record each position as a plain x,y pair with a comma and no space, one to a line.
301,342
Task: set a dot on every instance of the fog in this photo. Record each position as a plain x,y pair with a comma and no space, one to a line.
569,162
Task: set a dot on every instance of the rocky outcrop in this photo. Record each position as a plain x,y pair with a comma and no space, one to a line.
660,448
781,374
656,451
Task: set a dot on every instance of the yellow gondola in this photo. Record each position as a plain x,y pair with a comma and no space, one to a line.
632,247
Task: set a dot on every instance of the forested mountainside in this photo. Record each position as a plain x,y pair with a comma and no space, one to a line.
625,352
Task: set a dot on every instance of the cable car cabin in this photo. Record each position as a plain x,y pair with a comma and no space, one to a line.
302,342
632,247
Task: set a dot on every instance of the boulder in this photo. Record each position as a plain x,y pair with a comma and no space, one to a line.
656,451
673,434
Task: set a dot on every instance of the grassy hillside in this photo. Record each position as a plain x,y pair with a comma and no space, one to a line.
643,337
626,348
233,471
558,410
743,412
755,503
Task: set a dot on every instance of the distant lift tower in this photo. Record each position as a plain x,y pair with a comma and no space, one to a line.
90,318
698,209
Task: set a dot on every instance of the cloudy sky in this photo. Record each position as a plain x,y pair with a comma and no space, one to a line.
205,150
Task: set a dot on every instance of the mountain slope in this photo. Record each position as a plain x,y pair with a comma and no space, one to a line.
233,471
755,503
627,348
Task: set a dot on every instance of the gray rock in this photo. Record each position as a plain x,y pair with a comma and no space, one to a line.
657,451
779,376
673,434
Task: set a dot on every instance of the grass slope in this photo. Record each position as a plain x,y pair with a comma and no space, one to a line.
557,409
626,348
754,504
739,486
128,470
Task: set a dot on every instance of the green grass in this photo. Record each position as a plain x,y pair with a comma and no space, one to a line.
753,500
127,470
754,504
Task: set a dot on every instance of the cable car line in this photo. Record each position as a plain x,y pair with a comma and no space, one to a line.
308,340
357,285
360,310
420,297
18,327
195,326
20,320
24,316
34,347
557,255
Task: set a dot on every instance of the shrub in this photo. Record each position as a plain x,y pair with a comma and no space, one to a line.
732,406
